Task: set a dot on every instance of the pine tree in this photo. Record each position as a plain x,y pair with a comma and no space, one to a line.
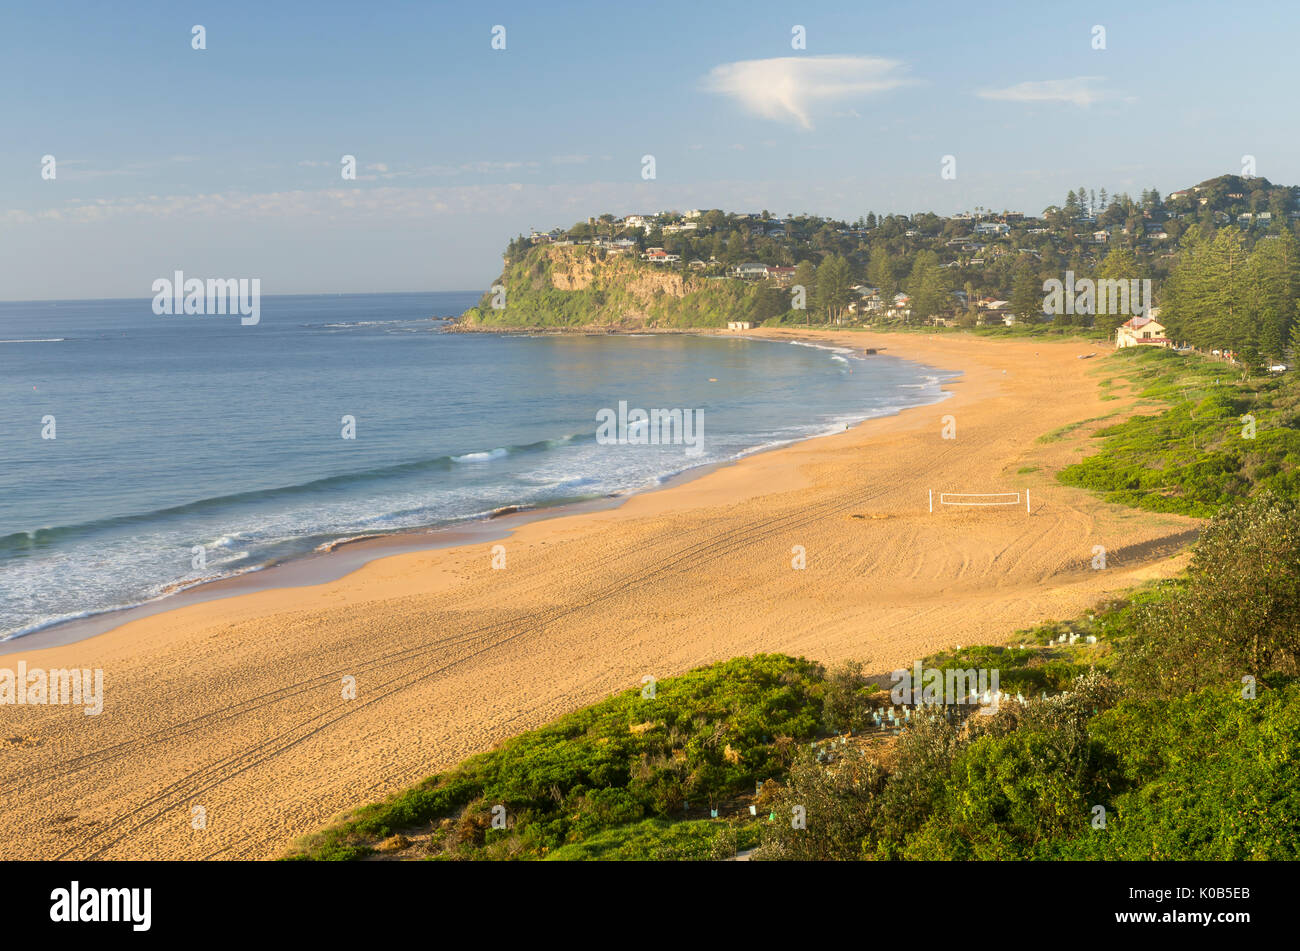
1026,293
880,271
1119,265
1209,293
833,287
928,286
805,276
1275,281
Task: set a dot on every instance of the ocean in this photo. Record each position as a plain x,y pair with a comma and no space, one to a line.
145,454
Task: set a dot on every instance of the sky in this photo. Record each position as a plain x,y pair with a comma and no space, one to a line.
227,161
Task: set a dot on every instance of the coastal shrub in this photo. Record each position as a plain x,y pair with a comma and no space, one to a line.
991,787
658,840
849,698
1239,613
1194,457
1208,775
703,737
915,788
1020,670
839,804
1007,794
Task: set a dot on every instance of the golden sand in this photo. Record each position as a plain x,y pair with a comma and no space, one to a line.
236,705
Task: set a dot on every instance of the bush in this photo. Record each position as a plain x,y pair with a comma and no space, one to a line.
1239,613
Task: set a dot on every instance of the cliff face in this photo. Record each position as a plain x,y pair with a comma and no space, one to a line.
576,269
578,286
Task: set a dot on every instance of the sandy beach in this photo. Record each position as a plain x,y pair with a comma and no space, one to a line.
236,706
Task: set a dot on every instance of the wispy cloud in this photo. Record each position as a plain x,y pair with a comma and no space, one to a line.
84,169
1082,91
793,87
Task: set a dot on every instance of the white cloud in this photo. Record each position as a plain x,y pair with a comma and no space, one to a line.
792,87
1082,91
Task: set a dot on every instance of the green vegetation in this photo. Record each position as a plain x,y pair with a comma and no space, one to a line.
655,840
1181,721
1173,714
1222,259
1224,294
703,738
1197,455
617,292
1056,435
1185,729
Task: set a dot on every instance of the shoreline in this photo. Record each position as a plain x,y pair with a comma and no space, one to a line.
450,656
336,559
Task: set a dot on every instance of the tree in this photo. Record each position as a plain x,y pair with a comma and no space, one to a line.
805,276
1275,279
769,301
1119,265
737,247
1209,292
1240,613
880,271
929,286
1026,293
833,287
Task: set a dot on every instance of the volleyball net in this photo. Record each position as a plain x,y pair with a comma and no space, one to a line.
980,499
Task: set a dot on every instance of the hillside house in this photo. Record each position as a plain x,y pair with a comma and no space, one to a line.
1141,331
752,271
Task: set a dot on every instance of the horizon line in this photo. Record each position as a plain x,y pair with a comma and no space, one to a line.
82,300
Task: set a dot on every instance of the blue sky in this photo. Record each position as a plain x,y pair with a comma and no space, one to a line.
226,161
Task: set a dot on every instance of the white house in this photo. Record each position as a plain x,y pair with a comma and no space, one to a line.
1141,331
751,270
